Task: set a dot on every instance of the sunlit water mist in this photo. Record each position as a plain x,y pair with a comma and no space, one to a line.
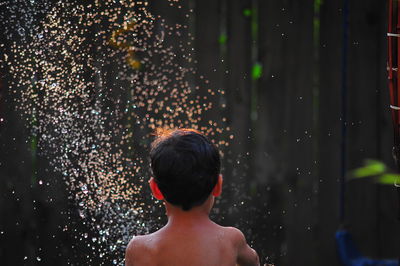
93,81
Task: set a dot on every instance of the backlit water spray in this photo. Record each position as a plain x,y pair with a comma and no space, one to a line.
93,81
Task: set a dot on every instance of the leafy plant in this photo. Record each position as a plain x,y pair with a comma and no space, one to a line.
378,171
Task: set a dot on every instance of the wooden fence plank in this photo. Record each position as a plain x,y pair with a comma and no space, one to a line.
330,134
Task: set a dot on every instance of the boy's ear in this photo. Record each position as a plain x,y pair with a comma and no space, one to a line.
155,190
218,187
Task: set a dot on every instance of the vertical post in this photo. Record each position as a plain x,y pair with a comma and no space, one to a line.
394,83
256,71
256,67
223,53
316,102
397,144
344,110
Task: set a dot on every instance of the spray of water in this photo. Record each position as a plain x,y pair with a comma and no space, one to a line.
93,80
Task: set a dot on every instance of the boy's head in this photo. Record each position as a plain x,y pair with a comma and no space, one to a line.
185,166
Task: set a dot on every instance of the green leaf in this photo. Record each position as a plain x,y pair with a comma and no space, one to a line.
222,39
371,168
247,12
389,179
317,5
256,71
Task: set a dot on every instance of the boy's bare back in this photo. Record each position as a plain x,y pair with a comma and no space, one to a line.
197,244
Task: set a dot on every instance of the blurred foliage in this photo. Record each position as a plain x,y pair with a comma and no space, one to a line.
222,39
247,12
317,4
378,171
256,71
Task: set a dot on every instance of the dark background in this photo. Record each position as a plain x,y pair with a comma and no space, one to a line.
287,127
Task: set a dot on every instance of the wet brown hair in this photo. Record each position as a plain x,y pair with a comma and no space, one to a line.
185,166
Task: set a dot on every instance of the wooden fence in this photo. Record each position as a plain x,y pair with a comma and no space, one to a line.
280,63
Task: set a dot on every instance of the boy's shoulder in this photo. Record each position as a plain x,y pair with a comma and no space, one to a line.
137,247
236,236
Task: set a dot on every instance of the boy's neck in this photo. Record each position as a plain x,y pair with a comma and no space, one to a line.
195,215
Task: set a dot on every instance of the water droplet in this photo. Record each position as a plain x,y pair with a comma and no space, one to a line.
21,31
84,189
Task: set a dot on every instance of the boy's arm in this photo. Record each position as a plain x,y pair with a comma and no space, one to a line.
246,255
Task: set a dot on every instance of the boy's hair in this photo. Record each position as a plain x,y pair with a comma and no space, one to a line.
185,166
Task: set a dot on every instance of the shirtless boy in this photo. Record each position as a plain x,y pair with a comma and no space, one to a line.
186,176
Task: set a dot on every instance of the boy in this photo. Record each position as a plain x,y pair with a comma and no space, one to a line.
186,169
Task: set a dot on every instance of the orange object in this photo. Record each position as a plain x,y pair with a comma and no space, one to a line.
131,57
